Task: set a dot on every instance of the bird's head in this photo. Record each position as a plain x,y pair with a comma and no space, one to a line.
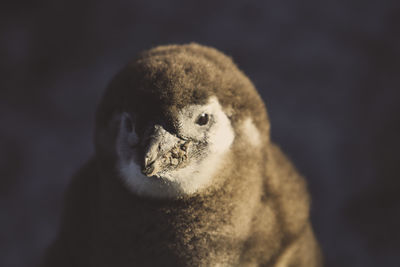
168,121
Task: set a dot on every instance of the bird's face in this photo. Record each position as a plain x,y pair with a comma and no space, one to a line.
157,161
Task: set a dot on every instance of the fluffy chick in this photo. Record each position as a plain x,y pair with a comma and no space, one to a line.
185,174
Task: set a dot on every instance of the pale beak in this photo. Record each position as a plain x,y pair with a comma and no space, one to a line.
164,151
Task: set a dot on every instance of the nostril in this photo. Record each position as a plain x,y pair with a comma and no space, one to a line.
185,146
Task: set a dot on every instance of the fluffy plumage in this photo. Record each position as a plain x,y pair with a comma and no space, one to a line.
162,190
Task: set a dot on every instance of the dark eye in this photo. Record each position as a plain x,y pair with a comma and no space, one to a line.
202,119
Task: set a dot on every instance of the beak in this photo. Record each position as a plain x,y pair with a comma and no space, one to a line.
164,151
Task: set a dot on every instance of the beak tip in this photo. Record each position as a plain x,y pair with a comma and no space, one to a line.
148,170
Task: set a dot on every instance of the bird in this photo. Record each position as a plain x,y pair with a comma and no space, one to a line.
184,173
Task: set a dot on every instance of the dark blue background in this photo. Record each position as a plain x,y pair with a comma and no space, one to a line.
328,71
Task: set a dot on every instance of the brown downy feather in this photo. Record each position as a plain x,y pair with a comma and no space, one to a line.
255,214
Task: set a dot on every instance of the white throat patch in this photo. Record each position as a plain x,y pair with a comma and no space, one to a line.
200,172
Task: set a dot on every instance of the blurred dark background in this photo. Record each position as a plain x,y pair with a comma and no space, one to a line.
328,71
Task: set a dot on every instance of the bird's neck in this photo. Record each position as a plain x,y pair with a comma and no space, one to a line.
179,228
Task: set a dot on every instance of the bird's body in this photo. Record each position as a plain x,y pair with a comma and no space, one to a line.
185,174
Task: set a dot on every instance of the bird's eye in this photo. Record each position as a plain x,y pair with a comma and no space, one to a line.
202,119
